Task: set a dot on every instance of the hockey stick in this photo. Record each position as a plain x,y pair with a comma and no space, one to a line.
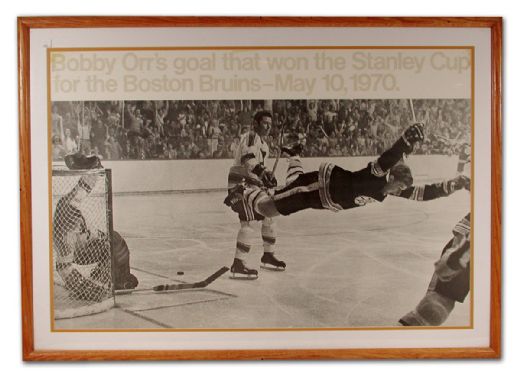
452,142
193,285
280,142
413,112
323,130
182,286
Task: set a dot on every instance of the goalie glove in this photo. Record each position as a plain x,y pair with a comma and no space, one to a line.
412,135
267,177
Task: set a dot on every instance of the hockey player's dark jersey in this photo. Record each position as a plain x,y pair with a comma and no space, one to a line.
335,188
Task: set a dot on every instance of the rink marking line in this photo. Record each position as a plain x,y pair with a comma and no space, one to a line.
310,270
199,244
395,267
276,304
355,307
146,318
350,231
180,304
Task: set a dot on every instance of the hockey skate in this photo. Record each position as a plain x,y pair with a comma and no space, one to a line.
272,263
239,271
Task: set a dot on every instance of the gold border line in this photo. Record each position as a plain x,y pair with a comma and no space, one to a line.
174,330
49,181
260,47
472,193
364,47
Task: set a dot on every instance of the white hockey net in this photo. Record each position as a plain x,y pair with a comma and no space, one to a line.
81,242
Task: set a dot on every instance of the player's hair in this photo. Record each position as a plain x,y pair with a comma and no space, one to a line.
402,172
261,114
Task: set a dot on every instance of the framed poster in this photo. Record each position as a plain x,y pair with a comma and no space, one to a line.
260,188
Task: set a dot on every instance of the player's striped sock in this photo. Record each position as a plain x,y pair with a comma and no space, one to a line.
294,170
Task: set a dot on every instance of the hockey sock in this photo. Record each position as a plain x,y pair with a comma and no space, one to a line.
268,235
244,238
464,158
294,170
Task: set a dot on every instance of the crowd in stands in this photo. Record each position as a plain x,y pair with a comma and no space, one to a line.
143,130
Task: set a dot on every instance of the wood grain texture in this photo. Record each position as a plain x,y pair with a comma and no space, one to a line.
25,24
496,187
25,189
321,354
167,21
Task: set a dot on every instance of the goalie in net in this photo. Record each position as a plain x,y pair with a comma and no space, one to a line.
90,262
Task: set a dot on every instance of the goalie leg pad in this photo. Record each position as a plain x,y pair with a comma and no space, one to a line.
83,288
123,278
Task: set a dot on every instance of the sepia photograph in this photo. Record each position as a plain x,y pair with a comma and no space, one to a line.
379,189
204,189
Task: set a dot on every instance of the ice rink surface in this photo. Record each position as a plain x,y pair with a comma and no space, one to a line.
363,267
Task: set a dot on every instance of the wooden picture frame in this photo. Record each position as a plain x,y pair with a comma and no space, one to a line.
26,25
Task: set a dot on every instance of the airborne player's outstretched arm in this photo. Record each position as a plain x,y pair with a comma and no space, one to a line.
403,146
435,190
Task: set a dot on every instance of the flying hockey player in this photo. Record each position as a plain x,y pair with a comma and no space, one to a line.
249,168
77,246
332,187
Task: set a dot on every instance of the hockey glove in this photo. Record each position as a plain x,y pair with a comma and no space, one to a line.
412,135
78,161
453,261
458,183
267,177
235,195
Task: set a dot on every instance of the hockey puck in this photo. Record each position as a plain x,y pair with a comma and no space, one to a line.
180,273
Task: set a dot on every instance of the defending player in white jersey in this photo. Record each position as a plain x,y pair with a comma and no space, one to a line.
450,282
249,167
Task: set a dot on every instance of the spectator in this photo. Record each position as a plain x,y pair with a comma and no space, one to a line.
205,129
113,149
69,144
58,151
57,123
84,137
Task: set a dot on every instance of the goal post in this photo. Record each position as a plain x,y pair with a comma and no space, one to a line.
82,230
